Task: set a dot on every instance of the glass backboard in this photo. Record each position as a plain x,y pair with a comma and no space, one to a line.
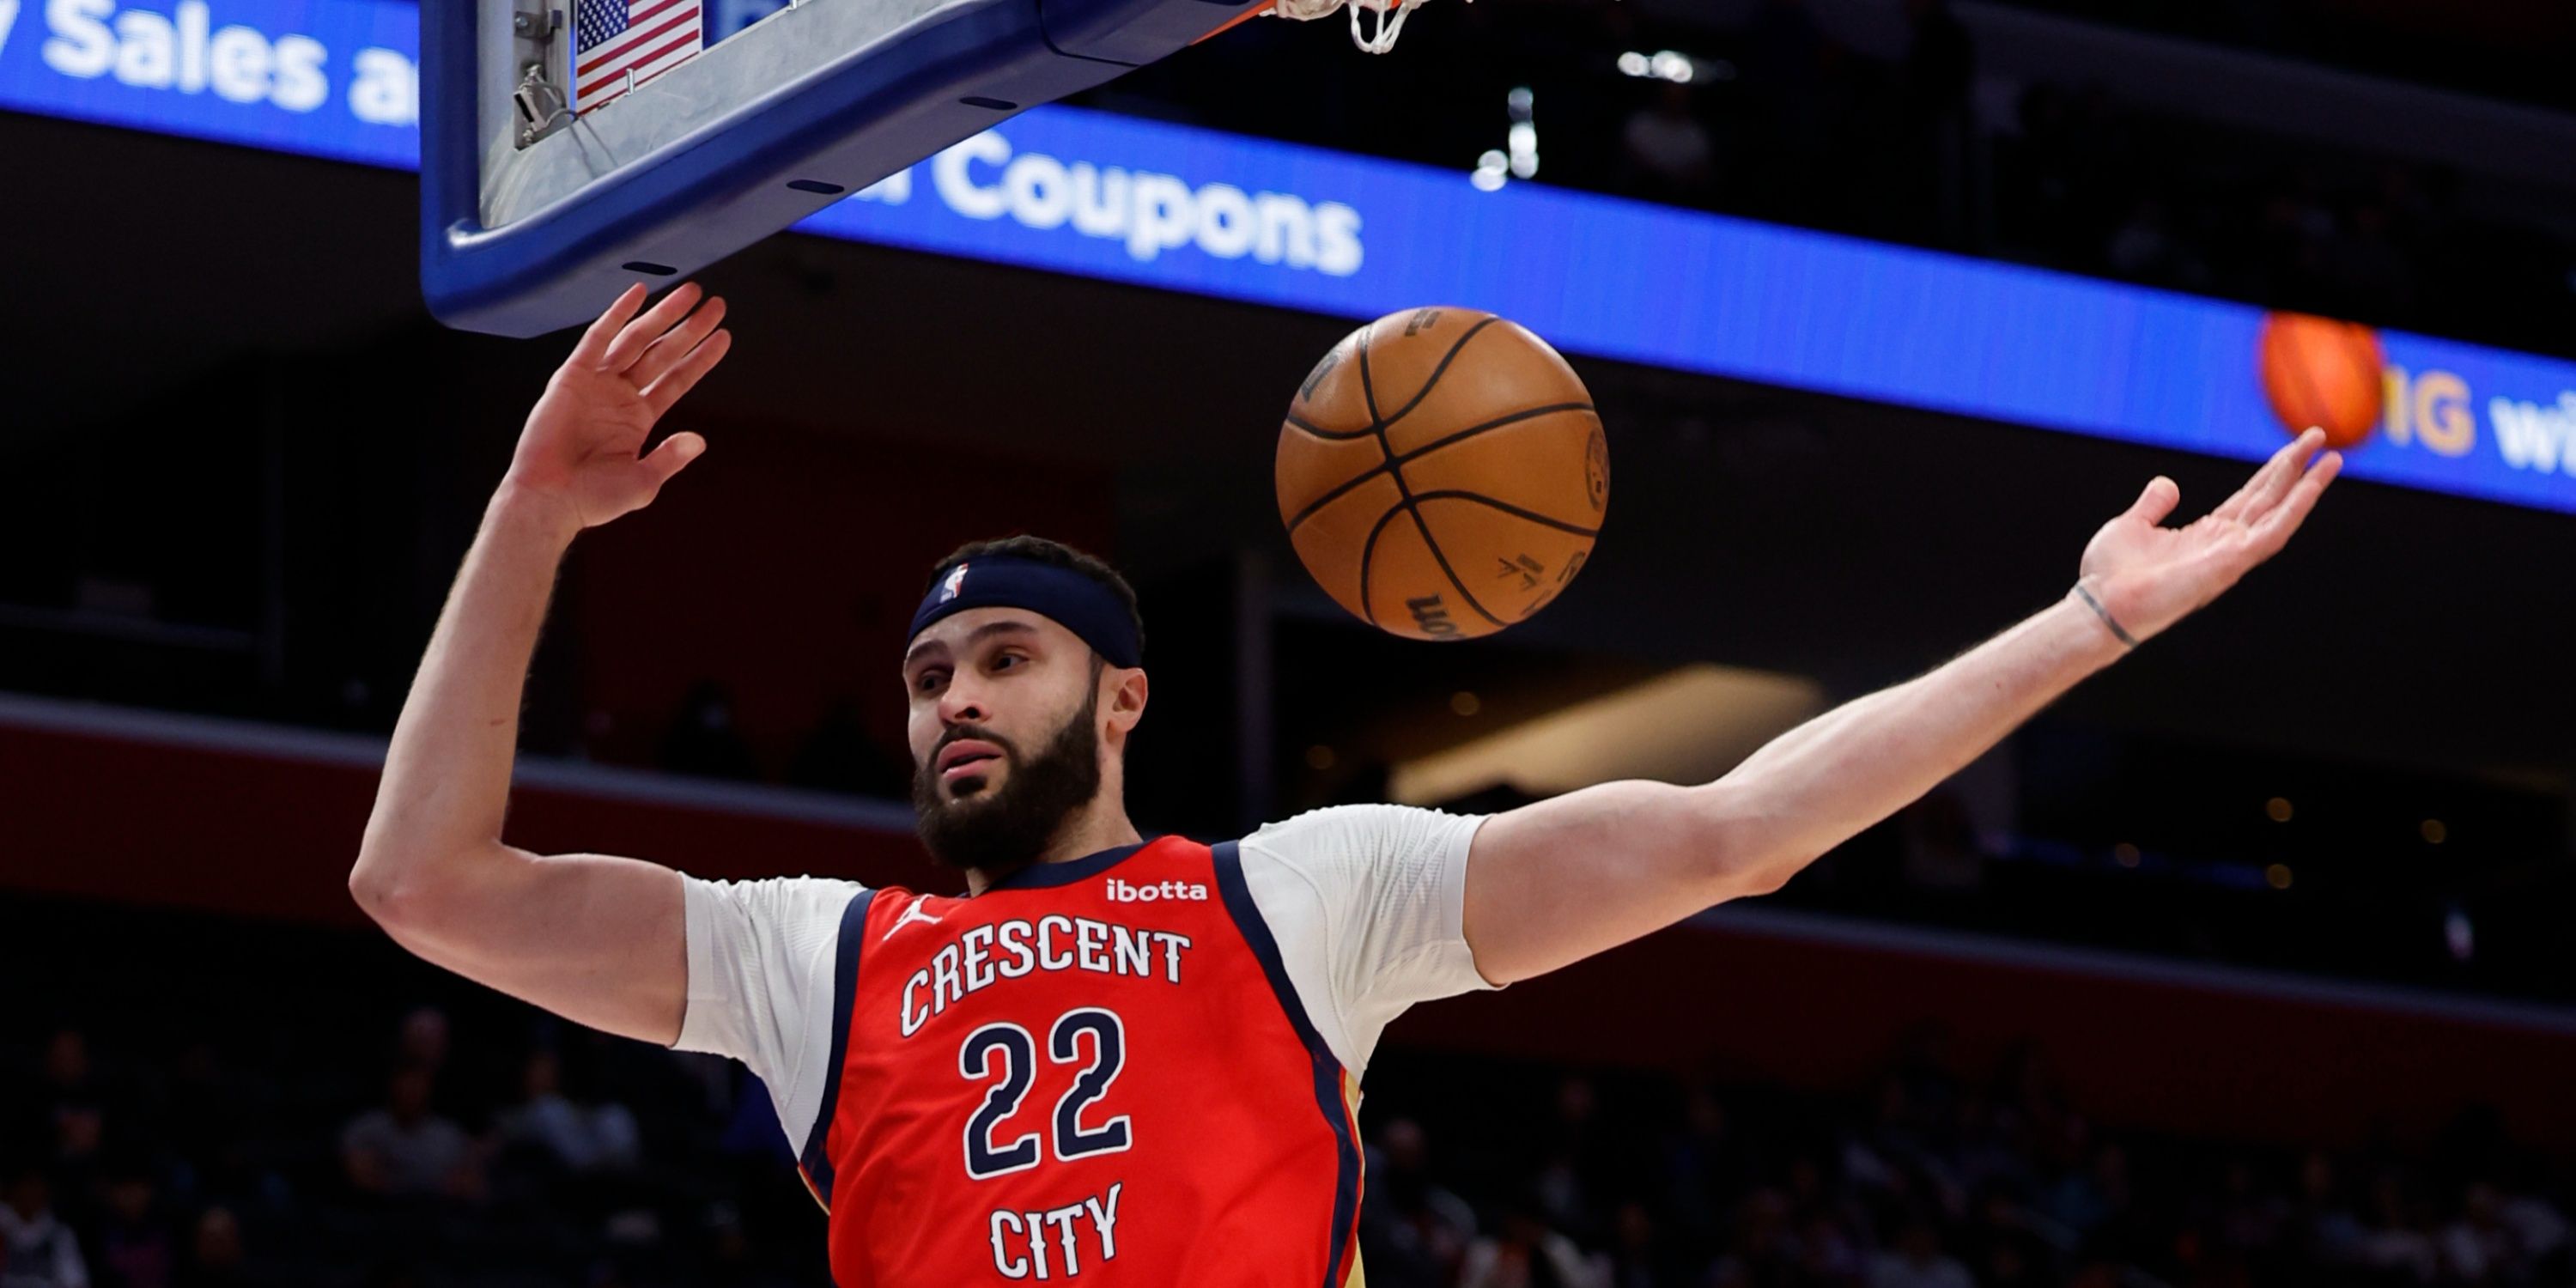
570,148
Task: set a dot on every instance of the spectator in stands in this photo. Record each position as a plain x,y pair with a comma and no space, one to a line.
1761,1251
2395,1246
1889,1158
1981,1159
2476,1247
403,1150
37,1250
1917,1261
2244,1221
136,1248
421,1040
579,1138
80,1138
65,1077
2540,1231
1736,1188
1640,1257
2006,1252
2503,1239
1828,1254
1704,1162
1823,1213
1524,1253
1577,1171
220,1115
215,1258
2323,1227
1413,1231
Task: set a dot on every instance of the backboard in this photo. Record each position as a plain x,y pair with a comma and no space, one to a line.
572,147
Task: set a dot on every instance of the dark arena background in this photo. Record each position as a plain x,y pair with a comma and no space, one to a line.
2247,963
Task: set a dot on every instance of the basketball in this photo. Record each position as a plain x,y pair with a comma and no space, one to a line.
2323,372
1442,473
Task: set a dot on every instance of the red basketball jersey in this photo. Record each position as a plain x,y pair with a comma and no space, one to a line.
1095,1073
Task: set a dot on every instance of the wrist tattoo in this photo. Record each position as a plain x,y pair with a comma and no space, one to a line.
2105,614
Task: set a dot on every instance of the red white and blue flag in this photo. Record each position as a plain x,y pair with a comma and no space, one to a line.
620,44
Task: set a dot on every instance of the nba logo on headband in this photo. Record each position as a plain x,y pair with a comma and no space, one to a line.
1071,597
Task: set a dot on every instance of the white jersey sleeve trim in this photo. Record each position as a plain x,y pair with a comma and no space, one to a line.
762,983
1368,905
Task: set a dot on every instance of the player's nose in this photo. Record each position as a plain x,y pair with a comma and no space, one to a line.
963,703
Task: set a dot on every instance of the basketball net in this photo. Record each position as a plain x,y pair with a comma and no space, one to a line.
1390,18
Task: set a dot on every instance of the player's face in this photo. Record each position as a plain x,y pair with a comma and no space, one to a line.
1004,731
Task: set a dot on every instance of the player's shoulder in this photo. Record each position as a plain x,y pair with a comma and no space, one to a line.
786,898
1350,831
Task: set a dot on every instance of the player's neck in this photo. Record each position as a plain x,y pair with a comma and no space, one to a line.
1098,826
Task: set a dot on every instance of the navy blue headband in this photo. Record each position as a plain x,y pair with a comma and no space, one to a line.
1073,600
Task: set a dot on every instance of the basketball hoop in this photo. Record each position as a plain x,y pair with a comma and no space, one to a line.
1390,18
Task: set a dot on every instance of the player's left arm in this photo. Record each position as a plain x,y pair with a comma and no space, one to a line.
1557,881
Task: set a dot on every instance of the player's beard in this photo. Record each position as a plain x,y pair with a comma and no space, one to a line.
1000,830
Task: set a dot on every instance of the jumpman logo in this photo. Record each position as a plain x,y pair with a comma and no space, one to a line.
911,913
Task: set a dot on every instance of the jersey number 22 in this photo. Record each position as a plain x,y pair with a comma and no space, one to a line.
1006,1052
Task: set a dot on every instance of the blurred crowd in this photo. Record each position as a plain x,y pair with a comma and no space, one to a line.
1928,1180
263,1120
315,1155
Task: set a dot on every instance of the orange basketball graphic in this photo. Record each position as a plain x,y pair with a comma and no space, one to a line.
2323,372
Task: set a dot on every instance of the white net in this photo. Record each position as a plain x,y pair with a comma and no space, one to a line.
1390,18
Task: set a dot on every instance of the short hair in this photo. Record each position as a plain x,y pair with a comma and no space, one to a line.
1054,554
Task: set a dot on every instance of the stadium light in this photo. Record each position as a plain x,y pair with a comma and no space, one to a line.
1497,166
1523,138
1674,66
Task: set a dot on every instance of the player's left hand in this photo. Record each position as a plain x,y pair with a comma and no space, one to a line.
2148,576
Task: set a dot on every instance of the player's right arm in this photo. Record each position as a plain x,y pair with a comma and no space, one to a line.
597,939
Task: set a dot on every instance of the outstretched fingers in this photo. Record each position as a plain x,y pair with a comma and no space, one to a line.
593,348
639,335
665,392
2296,465
667,352
2272,481
2273,529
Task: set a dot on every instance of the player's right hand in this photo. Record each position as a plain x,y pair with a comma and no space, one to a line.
584,440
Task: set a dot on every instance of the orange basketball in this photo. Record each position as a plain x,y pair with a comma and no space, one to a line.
1442,473
2323,372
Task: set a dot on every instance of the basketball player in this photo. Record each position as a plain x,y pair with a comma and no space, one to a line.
1116,1059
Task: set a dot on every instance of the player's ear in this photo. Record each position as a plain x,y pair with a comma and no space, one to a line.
1125,701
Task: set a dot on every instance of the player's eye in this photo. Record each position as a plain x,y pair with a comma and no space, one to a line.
1003,662
929,680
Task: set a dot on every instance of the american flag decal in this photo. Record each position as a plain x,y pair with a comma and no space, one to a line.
620,44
